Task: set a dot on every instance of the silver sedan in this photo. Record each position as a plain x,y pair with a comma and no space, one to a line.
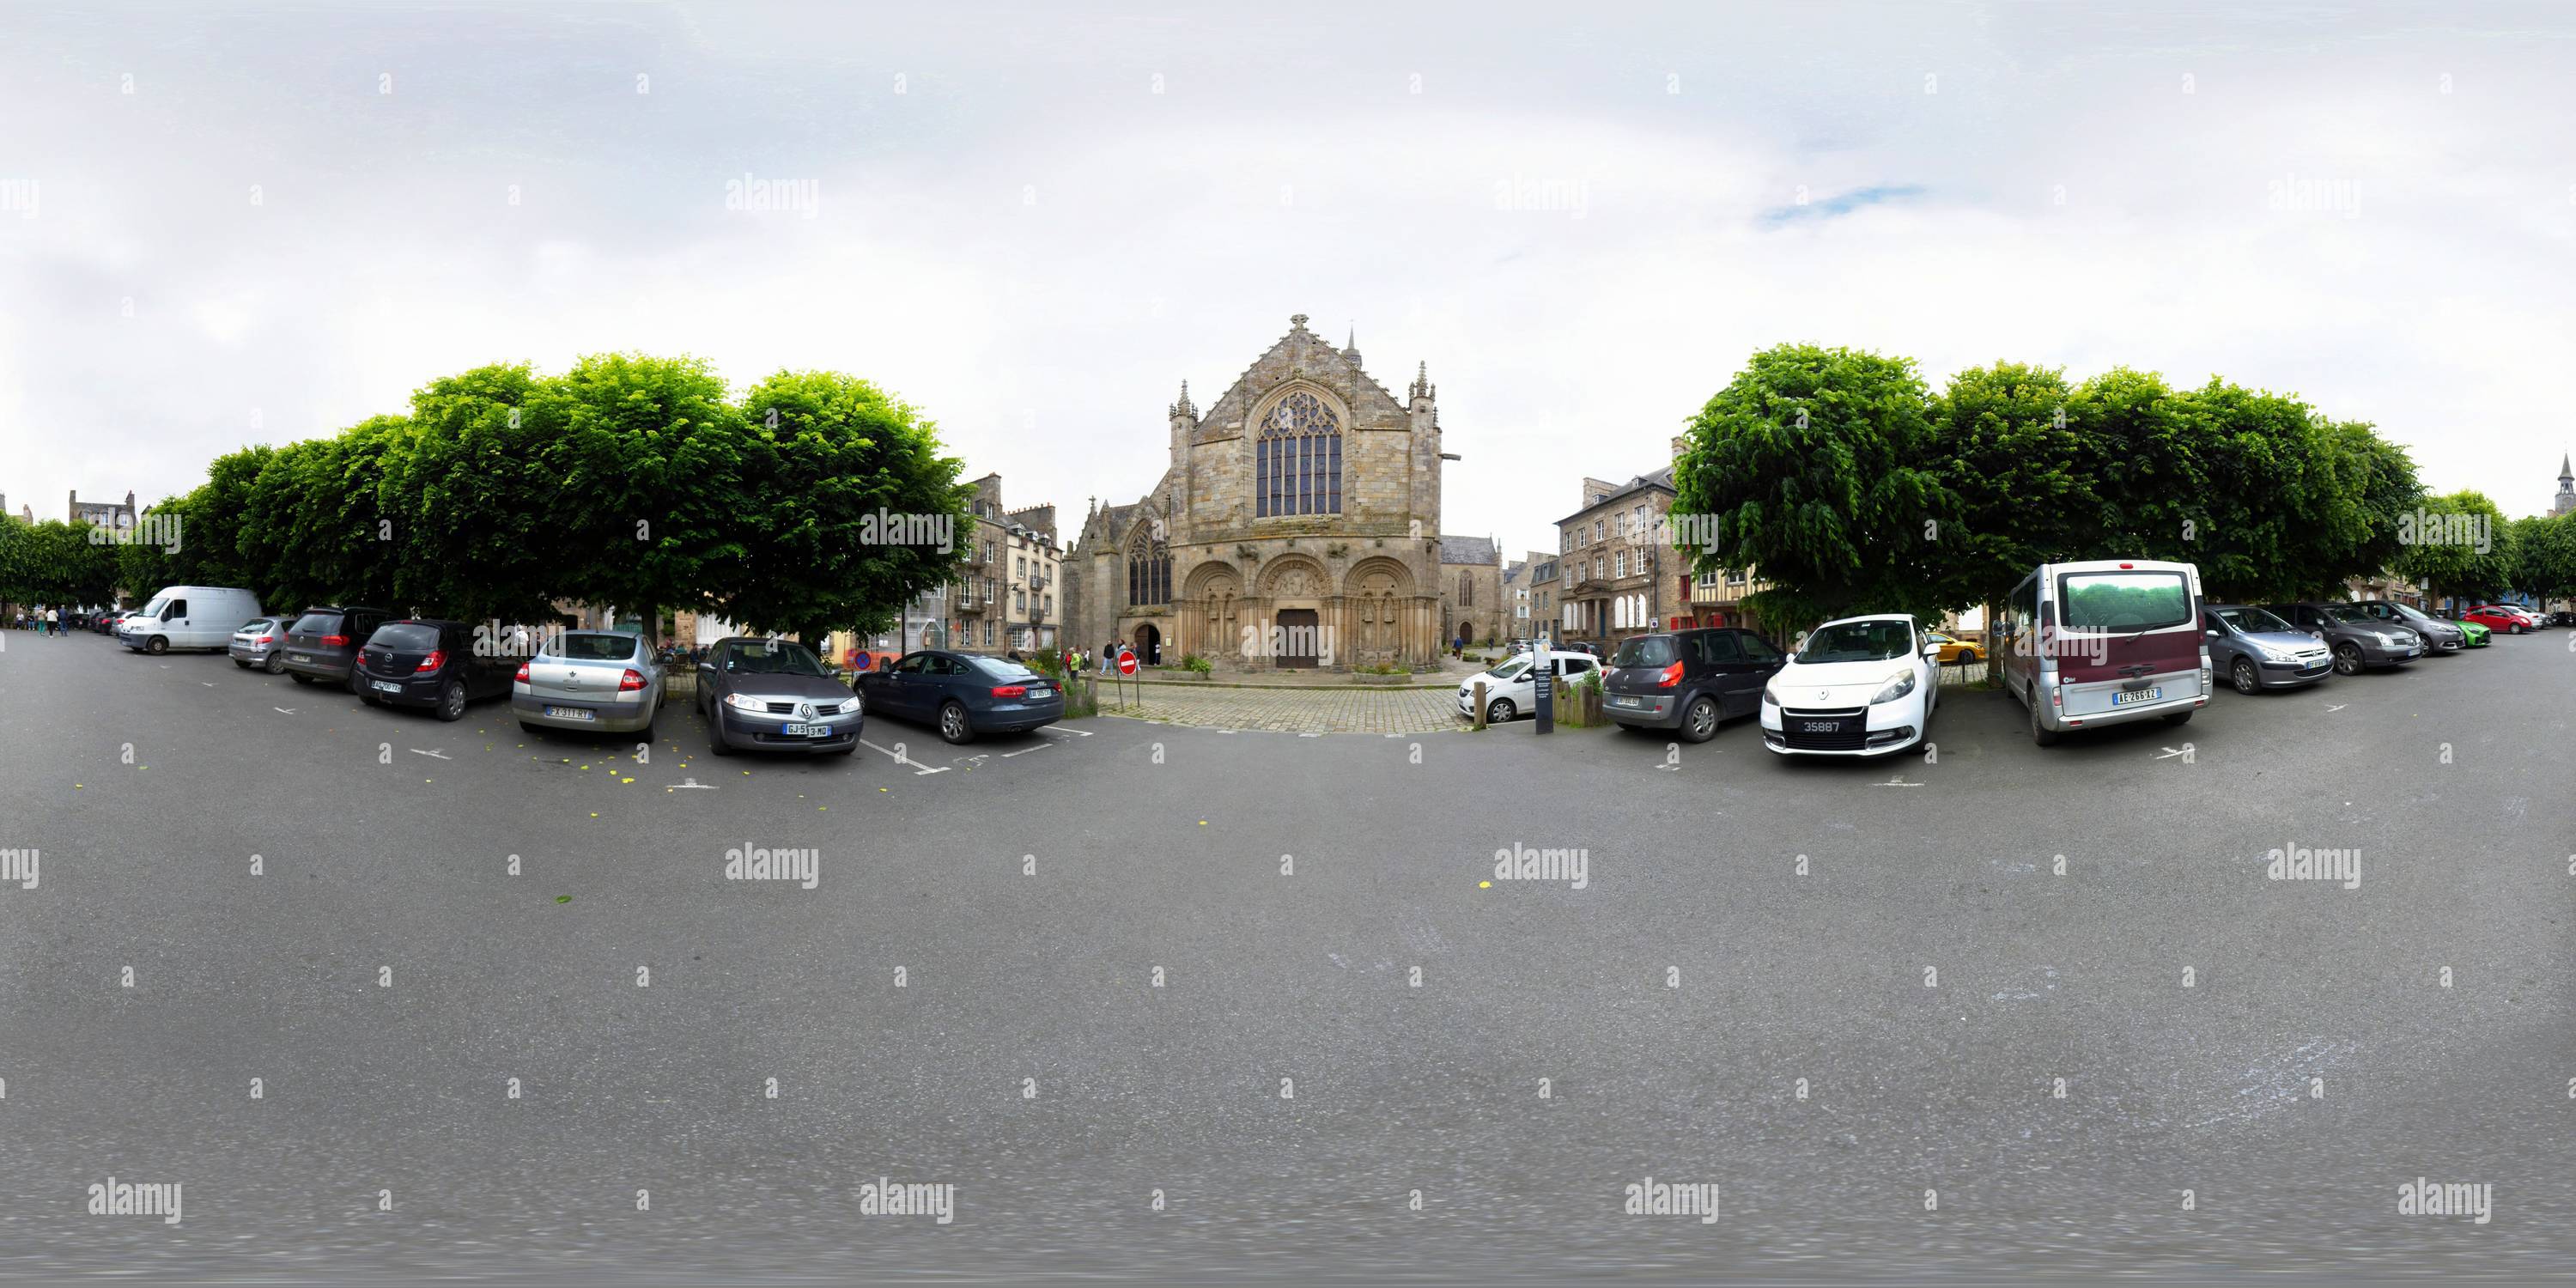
604,681
261,643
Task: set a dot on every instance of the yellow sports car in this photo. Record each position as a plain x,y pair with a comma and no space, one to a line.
1954,650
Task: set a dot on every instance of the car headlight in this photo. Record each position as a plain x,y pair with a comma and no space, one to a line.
741,702
848,705
1898,687
1769,698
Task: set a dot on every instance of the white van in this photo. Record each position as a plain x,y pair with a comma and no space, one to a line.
189,617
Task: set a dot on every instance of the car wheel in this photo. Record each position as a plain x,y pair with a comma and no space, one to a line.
1699,721
2243,674
1500,711
156,646
953,725
242,664
277,664
2178,718
451,701
299,677
2347,659
2040,733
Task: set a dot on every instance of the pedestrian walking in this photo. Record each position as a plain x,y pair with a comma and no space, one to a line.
53,621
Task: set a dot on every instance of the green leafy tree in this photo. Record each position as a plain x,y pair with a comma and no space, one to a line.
1808,467
843,505
2025,473
654,459
2441,546
481,503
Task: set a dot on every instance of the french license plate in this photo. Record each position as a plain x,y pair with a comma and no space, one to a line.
1820,726
386,686
1041,693
2130,698
571,713
809,731
298,657
1627,702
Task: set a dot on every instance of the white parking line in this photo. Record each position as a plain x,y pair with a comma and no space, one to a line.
440,755
2338,706
1075,733
1026,750
901,759
2169,753
283,710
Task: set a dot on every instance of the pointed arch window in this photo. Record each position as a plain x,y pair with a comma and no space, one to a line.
1297,460
1149,573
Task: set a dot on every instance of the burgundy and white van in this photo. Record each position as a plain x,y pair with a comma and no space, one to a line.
2104,641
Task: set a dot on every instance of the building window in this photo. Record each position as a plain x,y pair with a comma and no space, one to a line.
1596,529
1619,564
1466,590
1149,573
1297,461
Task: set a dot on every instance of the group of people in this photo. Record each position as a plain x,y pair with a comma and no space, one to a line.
41,620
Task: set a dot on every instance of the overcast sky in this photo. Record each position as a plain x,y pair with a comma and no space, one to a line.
1034,224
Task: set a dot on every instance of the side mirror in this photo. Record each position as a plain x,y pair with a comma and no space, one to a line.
2213,634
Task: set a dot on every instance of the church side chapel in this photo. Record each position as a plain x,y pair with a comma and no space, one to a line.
1296,526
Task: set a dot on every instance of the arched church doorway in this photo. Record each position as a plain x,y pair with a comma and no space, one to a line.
1149,645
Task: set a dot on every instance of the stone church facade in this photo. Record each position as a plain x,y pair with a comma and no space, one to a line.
1296,525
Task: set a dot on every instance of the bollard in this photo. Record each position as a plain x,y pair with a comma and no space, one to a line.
1479,716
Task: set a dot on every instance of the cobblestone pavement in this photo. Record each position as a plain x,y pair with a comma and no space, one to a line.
1348,709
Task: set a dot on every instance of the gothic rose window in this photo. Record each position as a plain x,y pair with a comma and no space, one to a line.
1297,460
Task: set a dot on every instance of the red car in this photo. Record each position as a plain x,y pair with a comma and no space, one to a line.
2501,617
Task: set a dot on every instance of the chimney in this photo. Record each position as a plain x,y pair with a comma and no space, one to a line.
1681,444
129,495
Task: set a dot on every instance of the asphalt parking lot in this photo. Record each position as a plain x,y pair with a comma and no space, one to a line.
385,977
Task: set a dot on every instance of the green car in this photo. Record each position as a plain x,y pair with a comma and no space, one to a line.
2477,635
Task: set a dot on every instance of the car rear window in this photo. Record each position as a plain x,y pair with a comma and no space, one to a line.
317,623
406,635
2122,601
1647,650
1001,668
595,647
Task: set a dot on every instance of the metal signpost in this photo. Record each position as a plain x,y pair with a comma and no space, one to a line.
1542,686
1127,667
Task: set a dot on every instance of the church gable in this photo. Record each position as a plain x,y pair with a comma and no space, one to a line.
1302,354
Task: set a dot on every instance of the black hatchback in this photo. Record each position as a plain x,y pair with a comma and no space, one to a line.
423,662
1688,680
323,643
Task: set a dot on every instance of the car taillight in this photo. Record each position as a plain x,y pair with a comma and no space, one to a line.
335,641
1011,691
435,660
267,639
522,676
627,683
1669,677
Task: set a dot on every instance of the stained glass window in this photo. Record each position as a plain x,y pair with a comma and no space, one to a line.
1297,460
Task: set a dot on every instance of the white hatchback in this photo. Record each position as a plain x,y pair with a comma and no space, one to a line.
1508,690
1859,686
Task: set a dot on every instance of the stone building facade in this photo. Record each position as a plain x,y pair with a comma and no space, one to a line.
1471,589
1009,595
1616,577
1296,525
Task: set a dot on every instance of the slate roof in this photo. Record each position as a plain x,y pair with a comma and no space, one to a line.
1469,550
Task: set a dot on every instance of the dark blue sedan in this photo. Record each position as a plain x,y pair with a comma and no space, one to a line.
961,694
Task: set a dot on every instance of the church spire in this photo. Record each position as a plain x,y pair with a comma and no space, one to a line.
2566,468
